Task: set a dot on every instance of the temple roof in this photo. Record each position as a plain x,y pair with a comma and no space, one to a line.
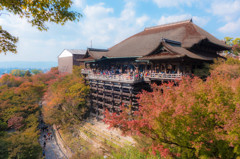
176,51
144,43
95,53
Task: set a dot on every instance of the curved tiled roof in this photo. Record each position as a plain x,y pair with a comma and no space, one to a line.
177,52
145,42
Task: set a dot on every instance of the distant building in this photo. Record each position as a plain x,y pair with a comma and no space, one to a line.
68,58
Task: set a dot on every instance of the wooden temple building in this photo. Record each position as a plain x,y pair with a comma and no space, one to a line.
157,54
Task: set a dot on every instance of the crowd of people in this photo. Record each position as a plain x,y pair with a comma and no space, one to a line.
47,136
128,74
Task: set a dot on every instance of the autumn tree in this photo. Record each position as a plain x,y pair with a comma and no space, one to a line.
19,113
37,13
195,119
17,72
27,73
36,71
66,100
235,43
9,80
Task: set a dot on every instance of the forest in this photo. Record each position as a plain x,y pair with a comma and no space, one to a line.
21,95
198,118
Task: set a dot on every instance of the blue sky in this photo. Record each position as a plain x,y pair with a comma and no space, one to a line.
108,22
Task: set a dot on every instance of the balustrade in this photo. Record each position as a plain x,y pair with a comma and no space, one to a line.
131,78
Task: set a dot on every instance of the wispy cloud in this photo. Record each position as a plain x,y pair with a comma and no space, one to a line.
201,21
173,3
106,25
105,29
231,28
79,3
99,25
228,12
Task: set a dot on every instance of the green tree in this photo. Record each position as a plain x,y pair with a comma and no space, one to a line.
27,73
36,71
17,72
38,12
235,43
228,40
7,42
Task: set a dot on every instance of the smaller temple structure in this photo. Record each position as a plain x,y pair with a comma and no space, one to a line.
69,58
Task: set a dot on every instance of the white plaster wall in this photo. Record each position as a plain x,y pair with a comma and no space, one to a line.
65,53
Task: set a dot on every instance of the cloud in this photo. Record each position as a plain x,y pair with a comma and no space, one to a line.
97,11
128,11
201,21
99,24
17,25
226,10
173,3
79,3
231,28
35,45
105,29
142,20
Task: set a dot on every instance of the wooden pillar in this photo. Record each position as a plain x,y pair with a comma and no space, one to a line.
165,68
184,67
131,99
137,68
112,97
103,94
97,109
178,69
91,102
121,91
151,67
130,90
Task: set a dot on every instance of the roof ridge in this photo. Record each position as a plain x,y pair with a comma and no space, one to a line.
168,24
96,49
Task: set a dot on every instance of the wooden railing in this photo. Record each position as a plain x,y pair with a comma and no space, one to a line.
86,71
132,78
116,78
167,76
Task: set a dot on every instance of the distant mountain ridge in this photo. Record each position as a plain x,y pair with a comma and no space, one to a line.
28,64
8,66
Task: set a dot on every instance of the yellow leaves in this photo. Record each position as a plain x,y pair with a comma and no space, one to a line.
66,97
